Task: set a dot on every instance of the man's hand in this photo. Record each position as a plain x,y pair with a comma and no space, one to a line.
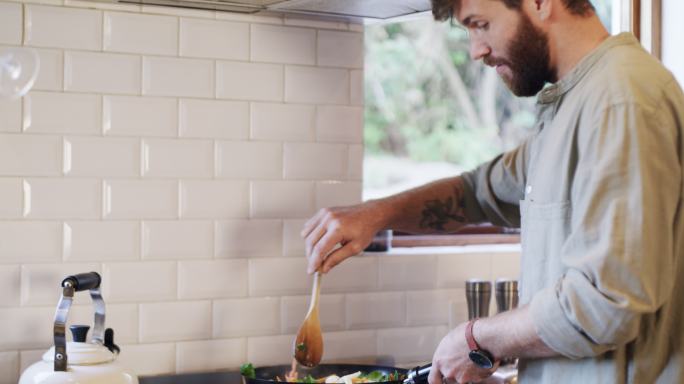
351,227
451,363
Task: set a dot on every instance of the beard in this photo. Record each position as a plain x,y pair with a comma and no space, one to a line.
529,60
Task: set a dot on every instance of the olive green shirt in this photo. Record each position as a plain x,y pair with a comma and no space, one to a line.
597,192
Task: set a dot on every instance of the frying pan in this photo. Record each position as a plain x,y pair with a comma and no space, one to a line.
267,375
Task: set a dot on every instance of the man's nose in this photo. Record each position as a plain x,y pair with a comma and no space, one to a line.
478,49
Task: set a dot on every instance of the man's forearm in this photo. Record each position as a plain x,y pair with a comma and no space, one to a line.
511,334
438,207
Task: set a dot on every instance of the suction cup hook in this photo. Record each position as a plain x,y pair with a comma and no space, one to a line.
19,69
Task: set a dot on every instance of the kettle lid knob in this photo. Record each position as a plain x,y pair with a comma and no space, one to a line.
79,332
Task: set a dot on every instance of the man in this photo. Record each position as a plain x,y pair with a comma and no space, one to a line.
597,192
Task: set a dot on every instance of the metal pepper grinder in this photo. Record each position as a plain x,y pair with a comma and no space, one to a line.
507,299
478,296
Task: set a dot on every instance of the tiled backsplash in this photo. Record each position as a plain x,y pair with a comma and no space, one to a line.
178,153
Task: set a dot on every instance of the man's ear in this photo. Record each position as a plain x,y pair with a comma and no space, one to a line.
543,9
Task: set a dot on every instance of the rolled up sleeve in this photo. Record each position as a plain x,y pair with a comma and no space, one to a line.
618,259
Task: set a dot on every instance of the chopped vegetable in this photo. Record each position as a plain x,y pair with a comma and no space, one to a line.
301,347
247,370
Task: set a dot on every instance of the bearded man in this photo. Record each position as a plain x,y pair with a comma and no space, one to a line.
597,192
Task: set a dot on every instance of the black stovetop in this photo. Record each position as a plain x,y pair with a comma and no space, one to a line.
195,378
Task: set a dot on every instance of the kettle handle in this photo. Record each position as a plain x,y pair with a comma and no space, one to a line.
70,285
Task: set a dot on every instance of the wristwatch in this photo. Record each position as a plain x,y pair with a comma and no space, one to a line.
478,356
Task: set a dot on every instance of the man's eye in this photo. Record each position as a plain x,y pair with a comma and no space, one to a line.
481,25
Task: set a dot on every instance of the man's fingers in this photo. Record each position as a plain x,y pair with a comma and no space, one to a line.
320,251
435,376
349,249
312,223
313,238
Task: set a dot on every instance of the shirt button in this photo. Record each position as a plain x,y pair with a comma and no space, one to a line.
528,190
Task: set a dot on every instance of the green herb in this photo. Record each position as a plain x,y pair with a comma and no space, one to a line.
301,347
377,376
247,370
308,379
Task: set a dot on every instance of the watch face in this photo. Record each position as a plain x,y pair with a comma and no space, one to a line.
481,359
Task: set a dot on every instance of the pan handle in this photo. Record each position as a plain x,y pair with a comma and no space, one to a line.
418,375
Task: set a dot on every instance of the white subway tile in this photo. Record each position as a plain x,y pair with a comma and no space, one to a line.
210,355
454,269
399,272
270,350
101,240
340,124
506,265
30,155
51,74
139,281
30,327
102,73
334,193
10,23
28,357
249,81
276,44
430,307
214,39
191,320
316,85
165,76
177,11
62,198
178,158
40,283
315,161
376,310
340,49
356,27
62,27
267,276
356,274
9,365
410,344
10,283
30,241
293,243
331,311
274,18
136,199
149,359
207,199
314,22
10,115
355,162
357,92
140,116
212,279
102,5
283,122
350,345
50,112
214,119
282,199
246,317
178,240
101,157
248,238
458,310
249,160
148,34
11,198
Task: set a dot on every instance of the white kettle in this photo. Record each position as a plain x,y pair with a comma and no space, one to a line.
80,362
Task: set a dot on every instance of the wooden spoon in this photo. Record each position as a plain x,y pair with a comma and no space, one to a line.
308,346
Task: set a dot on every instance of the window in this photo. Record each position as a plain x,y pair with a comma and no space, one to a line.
431,112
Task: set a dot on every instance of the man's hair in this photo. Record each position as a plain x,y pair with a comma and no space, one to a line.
442,9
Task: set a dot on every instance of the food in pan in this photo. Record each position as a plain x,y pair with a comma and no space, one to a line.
359,377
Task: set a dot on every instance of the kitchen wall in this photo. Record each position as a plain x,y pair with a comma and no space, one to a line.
673,54
178,153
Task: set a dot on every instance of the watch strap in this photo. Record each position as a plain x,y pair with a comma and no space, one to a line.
470,339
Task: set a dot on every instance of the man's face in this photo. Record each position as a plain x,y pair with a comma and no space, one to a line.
508,40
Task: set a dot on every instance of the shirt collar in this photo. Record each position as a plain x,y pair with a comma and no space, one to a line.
553,92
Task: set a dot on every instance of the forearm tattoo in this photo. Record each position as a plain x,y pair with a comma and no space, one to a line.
438,213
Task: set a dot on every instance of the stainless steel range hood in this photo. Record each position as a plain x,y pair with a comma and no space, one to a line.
374,9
